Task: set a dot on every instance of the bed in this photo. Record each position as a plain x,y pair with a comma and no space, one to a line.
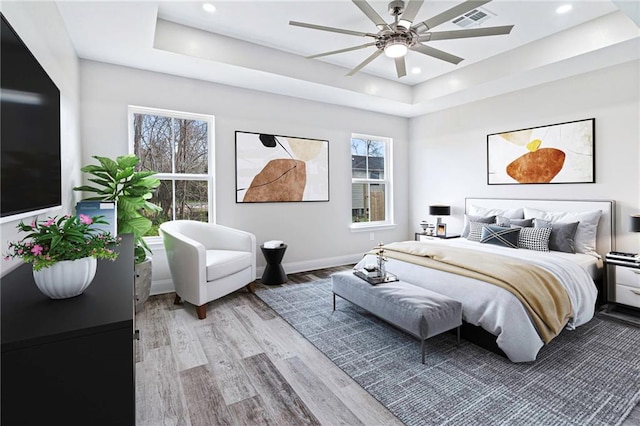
501,313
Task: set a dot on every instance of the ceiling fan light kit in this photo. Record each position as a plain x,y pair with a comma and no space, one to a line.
396,50
396,39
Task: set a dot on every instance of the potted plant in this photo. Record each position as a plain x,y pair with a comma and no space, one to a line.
117,180
63,252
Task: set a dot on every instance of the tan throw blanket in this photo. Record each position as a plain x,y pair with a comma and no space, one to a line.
539,290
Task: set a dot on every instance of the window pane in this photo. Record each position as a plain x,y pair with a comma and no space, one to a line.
189,199
191,153
359,202
161,141
152,142
377,203
367,159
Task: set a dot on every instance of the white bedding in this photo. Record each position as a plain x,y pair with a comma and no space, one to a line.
497,310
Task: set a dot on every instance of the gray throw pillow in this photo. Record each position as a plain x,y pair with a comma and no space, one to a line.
534,238
562,234
500,236
521,223
479,219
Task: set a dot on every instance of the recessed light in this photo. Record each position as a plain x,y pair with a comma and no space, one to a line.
564,8
208,7
416,70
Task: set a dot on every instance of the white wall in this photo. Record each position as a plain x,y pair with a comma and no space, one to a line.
42,29
317,234
448,148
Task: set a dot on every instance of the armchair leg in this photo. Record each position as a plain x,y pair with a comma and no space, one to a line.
177,300
251,287
201,311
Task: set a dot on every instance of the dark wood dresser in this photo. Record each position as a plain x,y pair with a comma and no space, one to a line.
71,361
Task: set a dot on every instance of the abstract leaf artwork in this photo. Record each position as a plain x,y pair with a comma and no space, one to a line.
558,153
273,168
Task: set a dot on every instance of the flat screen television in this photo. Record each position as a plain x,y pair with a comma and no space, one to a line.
30,157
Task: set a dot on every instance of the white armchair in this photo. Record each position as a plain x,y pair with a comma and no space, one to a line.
208,261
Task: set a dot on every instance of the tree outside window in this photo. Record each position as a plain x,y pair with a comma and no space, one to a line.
370,180
177,146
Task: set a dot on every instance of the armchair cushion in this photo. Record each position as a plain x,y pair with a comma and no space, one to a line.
222,263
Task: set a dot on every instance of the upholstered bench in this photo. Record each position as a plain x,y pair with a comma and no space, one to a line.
416,310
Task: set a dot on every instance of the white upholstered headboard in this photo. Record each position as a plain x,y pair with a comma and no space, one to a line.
605,238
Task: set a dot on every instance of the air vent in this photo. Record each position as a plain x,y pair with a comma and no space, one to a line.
476,16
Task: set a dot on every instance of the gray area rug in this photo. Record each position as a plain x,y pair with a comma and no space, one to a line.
590,376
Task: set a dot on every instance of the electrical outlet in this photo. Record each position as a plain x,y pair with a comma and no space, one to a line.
371,236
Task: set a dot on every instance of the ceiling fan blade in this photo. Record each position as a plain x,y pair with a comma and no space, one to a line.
436,53
331,29
473,32
411,10
449,14
365,62
348,49
401,68
371,14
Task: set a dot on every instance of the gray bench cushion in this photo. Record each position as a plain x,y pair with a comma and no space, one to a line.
419,311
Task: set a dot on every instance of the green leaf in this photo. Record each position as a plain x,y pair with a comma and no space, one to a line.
138,226
124,174
108,164
125,161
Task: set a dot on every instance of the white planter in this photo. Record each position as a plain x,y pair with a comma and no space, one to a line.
142,284
67,278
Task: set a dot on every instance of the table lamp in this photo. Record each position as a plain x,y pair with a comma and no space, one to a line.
439,210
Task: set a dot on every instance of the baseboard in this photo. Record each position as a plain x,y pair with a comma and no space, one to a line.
166,285
161,287
312,265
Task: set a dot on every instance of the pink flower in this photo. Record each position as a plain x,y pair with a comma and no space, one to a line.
7,258
85,219
49,222
20,251
33,224
37,250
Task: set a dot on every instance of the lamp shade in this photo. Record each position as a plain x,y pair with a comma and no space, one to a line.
635,223
439,210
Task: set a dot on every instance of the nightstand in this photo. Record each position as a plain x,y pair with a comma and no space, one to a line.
623,289
419,236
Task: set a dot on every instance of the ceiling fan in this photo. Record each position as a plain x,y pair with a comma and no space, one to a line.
397,38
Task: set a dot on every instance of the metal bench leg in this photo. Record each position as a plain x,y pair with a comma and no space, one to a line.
422,349
334,301
458,333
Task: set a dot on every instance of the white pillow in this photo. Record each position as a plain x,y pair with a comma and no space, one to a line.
585,238
483,211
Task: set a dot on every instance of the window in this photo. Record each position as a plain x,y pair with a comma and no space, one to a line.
179,147
370,181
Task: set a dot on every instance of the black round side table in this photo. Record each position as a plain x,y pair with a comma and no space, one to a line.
273,272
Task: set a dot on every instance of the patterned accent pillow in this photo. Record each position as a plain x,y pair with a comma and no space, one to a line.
562,234
469,218
475,231
505,221
500,236
534,238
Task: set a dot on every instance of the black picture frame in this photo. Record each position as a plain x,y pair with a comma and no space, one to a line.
550,154
274,168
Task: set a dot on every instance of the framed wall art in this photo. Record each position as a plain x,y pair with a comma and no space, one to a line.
557,153
275,168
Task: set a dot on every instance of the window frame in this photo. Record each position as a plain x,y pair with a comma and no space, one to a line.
389,222
208,177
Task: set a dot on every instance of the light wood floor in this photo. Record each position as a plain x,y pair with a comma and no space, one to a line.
243,365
